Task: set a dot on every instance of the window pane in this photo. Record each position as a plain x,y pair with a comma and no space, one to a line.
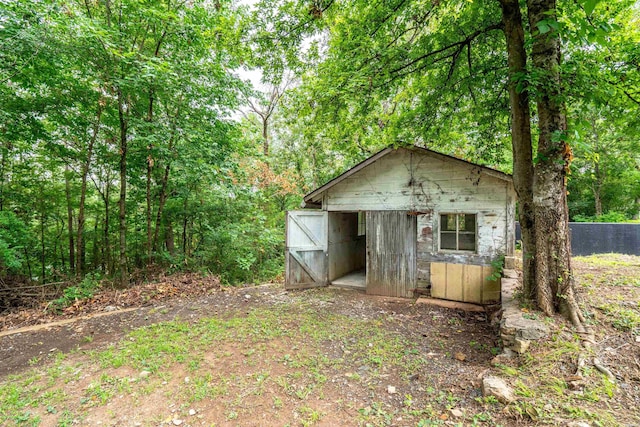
448,240
469,223
448,222
467,242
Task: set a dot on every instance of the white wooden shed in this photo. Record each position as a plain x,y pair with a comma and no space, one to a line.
405,220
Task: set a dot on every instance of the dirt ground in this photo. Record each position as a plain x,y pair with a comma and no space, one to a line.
186,351
457,345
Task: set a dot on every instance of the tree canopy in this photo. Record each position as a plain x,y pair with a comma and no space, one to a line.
130,141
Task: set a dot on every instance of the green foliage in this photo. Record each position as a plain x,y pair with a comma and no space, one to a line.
607,217
83,290
14,238
498,267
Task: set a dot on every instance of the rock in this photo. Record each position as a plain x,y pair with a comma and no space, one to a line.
520,345
548,407
144,374
494,386
391,389
192,412
456,412
460,356
110,308
638,338
177,422
247,297
520,327
503,357
578,424
186,380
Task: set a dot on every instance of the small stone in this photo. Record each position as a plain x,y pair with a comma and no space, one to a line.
177,422
456,412
192,412
110,308
460,356
548,407
391,390
144,374
496,387
638,338
186,380
137,424
520,345
247,296
578,424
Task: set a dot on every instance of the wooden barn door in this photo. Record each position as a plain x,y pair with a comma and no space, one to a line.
306,249
391,253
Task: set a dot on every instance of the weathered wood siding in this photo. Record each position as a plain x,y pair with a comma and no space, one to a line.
391,253
428,185
413,181
306,249
346,249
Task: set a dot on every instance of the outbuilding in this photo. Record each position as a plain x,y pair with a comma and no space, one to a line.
405,221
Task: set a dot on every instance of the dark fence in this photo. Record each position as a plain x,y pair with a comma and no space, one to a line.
602,237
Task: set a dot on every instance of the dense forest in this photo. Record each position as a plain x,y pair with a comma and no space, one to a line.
133,141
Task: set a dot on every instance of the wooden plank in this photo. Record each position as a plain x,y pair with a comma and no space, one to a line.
473,283
305,267
391,262
491,289
306,245
438,280
454,282
302,226
451,304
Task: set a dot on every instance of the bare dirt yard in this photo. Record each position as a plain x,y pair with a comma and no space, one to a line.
186,351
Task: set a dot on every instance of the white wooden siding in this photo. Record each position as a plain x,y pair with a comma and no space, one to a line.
418,182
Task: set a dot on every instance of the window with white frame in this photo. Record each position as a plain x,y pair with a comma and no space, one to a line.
458,232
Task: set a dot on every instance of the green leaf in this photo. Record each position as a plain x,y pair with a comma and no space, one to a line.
543,27
590,5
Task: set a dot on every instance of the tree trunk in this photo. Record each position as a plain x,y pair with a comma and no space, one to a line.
3,165
149,170
162,198
122,260
148,196
42,245
106,256
67,193
185,224
169,239
521,139
597,194
265,135
83,192
554,282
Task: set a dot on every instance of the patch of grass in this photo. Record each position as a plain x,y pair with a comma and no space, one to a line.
309,416
623,319
375,414
100,392
607,260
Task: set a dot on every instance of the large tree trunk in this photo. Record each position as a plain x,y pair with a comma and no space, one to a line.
554,282
83,192
122,260
521,138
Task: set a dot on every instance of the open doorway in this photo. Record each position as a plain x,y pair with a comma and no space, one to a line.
347,249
